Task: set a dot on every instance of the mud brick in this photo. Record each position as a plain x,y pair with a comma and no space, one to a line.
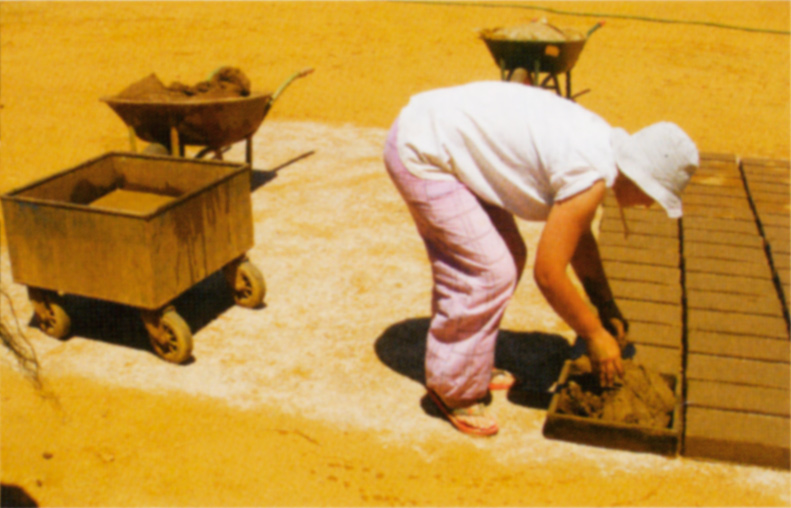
714,224
729,170
770,197
636,290
655,334
751,399
733,436
764,208
777,234
697,189
762,176
766,304
722,176
651,312
738,371
768,188
668,257
745,214
771,179
781,262
765,162
663,359
713,179
653,215
775,219
780,249
737,323
783,275
725,267
765,173
716,201
738,346
644,273
728,284
723,238
694,249
707,158
636,241
664,227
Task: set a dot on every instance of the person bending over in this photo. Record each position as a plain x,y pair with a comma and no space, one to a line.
469,159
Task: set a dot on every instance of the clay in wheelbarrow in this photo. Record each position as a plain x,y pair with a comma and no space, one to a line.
214,113
535,46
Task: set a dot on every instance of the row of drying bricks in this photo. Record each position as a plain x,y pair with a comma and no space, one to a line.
707,300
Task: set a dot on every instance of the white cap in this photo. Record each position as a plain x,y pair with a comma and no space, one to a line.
660,159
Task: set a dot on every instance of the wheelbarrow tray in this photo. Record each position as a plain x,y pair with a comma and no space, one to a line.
595,432
187,218
555,57
214,123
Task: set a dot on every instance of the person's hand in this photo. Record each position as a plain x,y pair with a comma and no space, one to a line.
614,322
605,356
619,329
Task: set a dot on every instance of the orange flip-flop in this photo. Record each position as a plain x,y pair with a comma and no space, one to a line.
453,414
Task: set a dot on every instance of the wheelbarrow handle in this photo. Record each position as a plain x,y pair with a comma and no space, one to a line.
594,28
296,75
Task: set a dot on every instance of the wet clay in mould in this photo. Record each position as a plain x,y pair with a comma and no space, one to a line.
643,397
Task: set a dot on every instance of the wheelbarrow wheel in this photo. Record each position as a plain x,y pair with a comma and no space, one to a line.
156,149
52,319
247,283
171,337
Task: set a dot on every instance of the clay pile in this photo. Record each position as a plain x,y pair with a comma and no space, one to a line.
224,83
643,398
535,31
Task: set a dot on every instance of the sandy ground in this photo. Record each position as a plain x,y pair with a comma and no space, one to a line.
316,399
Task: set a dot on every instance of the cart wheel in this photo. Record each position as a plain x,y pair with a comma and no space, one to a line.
172,339
52,319
247,284
156,149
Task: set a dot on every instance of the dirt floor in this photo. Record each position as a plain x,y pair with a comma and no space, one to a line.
316,399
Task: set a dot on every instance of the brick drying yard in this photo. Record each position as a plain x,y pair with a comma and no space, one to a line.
316,398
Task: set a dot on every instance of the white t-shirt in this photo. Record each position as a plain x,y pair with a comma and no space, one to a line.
519,147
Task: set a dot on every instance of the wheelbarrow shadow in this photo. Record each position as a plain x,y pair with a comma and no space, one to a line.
122,325
535,358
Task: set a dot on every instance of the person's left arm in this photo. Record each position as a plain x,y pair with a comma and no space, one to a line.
589,269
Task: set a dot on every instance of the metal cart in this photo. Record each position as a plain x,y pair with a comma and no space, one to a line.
536,58
137,230
214,123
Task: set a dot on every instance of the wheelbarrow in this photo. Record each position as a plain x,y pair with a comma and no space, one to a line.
526,60
214,124
137,230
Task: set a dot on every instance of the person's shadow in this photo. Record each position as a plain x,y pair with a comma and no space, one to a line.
534,358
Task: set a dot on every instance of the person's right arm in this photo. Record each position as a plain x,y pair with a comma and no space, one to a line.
568,221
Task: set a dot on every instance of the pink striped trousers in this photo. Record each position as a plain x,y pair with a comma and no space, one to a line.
477,257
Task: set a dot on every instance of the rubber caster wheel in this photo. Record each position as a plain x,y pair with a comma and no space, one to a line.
51,318
156,149
247,284
170,335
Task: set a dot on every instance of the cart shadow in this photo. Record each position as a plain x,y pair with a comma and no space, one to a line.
261,177
535,358
122,325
